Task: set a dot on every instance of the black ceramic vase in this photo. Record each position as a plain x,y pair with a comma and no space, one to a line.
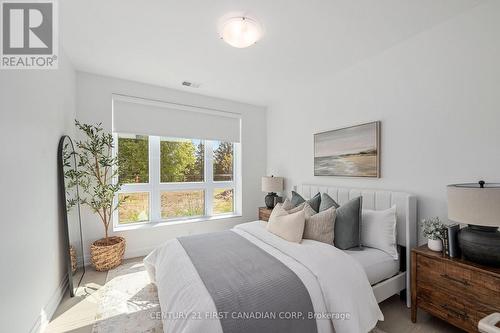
269,200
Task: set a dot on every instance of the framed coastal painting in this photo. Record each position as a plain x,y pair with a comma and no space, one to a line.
348,152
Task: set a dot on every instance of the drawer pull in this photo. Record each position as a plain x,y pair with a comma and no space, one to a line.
464,282
456,313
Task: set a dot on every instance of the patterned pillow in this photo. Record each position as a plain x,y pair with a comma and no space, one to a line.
319,226
287,204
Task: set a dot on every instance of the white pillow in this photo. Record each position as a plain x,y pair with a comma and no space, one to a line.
378,230
287,226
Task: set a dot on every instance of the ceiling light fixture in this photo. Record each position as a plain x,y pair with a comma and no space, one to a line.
241,32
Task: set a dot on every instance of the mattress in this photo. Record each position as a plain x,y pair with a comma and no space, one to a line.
378,265
337,292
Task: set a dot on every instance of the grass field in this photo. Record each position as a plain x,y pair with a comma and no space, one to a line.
182,204
174,204
223,201
135,208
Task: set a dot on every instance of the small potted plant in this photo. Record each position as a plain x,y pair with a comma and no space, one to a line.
433,230
97,178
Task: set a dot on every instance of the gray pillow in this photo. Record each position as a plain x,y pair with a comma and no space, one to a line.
296,199
347,224
327,202
314,202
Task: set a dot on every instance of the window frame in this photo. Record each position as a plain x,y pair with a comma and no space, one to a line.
155,187
134,192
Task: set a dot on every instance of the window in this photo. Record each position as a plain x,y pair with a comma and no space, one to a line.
135,207
223,200
181,160
170,179
223,161
134,158
182,203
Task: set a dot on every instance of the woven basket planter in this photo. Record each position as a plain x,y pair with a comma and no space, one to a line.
107,255
72,255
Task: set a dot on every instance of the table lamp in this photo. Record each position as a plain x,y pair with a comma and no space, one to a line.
271,185
477,205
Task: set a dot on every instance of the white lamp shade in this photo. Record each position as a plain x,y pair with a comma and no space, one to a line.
272,184
470,204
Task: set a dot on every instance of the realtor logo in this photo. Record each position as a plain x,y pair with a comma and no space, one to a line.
29,38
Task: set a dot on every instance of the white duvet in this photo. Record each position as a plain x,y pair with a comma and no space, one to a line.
341,295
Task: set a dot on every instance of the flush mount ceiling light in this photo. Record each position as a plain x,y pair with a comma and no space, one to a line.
241,32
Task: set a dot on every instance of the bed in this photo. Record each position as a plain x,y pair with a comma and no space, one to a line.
406,229
377,264
259,282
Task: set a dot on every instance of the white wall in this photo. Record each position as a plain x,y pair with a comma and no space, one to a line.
36,108
94,105
438,97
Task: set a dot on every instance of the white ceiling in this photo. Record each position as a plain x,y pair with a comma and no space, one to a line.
165,42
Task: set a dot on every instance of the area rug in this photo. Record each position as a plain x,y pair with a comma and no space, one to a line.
128,302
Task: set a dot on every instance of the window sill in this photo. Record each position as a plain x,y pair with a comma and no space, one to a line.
152,224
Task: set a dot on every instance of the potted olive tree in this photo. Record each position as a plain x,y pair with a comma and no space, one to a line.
98,181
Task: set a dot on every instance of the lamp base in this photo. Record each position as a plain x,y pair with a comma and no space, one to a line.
480,244
269,200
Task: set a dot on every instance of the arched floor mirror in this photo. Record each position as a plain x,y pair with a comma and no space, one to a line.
70,204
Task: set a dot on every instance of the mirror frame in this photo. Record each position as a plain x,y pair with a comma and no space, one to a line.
62,191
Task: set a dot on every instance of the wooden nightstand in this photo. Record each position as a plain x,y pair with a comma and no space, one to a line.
455,290
264,213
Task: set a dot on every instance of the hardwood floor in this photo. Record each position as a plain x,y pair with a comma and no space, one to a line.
77,314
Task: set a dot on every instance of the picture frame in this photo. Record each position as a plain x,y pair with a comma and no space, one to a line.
352,151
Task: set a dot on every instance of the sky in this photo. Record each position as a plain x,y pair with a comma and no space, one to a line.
345,141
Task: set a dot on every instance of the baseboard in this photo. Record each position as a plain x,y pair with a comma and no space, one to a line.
50,308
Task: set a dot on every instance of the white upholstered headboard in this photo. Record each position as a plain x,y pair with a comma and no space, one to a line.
406,210
406,206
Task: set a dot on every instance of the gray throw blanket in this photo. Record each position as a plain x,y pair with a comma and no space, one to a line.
253,291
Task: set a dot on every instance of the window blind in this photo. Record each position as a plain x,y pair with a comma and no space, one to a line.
148,117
